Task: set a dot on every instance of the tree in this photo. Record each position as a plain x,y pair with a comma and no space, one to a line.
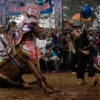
70,7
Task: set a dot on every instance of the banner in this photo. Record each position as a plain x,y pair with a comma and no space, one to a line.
58,13
16,7
11,6
49,9
2,7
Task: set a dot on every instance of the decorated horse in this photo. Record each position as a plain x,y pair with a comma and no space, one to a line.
24,55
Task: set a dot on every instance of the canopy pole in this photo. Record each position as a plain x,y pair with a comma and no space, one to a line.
6,17
81,20
62,16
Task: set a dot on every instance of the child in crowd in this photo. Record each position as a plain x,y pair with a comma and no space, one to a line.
50,55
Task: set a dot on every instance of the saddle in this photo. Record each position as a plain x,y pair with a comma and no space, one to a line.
31,51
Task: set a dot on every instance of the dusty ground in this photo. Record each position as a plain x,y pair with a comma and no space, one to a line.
65,82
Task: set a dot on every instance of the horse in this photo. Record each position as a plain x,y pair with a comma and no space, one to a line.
12,68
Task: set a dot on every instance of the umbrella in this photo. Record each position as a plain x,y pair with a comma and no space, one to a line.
76,17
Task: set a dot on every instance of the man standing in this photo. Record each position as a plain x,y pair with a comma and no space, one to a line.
86,57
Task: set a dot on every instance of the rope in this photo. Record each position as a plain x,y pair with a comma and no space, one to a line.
14,61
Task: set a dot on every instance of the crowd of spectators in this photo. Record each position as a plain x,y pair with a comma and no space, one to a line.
62,47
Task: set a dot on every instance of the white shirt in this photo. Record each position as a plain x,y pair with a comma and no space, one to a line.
41,44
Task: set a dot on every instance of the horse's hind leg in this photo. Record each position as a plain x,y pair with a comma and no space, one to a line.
4,80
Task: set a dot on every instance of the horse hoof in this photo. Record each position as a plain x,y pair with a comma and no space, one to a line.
53,89
50,87
56,90
48,91
25,85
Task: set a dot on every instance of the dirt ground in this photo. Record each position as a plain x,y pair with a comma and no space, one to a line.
65,82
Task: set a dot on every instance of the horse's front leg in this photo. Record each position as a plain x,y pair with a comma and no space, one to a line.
33,69
37,65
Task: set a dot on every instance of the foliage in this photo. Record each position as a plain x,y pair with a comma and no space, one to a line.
71,7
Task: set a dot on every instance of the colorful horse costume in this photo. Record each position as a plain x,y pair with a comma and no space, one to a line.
24,55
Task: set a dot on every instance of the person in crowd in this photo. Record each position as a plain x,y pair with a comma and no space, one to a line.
73,46
41,43
62,49
86,57
4,48
2,42
98,44
53,32
91,34
11,32
50,54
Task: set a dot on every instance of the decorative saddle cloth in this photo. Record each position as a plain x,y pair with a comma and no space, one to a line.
31,50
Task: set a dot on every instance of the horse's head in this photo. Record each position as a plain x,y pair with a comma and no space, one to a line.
36,28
